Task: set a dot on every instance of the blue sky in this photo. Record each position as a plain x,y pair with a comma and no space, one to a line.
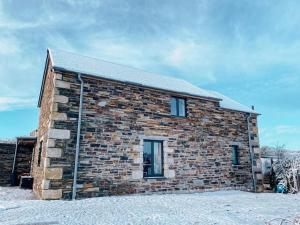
248,50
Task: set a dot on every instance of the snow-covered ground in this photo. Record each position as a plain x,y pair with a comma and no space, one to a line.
15,193
223,207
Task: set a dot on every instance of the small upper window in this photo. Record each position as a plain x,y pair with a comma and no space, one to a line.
178,107
235,155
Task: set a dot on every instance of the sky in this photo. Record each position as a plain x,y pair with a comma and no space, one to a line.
248,50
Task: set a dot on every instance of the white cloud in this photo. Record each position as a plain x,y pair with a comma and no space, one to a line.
9,45
11,103
12,24
287,129
85,3
57,41
287,135
185,53
181,53
16,25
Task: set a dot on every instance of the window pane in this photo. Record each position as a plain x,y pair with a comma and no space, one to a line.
173,106
147,171
181,107
147,158
235,159
157,151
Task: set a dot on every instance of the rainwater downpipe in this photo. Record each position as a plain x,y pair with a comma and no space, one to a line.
77,139
251,154
13,176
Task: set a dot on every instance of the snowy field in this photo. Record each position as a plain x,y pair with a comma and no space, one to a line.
223,207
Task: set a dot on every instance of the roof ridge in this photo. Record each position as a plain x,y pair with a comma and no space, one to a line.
118,64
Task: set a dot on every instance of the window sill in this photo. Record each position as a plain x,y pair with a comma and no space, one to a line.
236,165
181,117
153,178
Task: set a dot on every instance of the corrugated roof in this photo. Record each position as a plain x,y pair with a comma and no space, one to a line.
96,67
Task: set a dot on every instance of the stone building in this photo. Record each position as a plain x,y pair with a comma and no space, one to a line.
15,159
107,129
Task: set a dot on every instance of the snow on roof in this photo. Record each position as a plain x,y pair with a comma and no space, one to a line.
92,66
96,67
229,103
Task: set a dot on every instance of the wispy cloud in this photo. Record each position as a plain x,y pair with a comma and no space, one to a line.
12,103
287,135
287,129
9,45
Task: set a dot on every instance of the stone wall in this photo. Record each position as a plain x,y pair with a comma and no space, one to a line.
7,152
22,163
256,153
45,173
117,118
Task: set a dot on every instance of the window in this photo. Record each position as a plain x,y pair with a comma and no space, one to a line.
40,153
235,155
153,158
178,107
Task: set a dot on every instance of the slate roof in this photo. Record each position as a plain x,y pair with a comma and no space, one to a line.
68,61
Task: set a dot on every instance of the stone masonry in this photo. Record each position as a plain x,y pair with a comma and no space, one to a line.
22,162
7,152
116,118
50,141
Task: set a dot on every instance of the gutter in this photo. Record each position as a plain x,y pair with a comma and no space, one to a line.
13,175
77,139
251,154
